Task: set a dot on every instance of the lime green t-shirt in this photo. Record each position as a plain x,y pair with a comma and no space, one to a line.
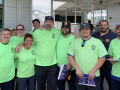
31,32
17,39
62,49
26,60
46,46
114,50
7,69
87,57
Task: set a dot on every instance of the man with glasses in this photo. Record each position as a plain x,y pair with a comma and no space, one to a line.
89,54
113,54
105,36
62,48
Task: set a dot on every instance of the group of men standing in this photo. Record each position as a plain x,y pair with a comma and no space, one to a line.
84,55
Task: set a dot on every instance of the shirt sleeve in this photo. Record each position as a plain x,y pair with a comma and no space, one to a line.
71,50
102,50
110,49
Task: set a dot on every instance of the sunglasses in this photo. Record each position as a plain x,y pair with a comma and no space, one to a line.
83,43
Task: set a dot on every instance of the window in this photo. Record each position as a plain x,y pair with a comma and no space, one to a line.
1,13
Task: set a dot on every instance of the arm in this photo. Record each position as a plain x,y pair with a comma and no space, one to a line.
78,71
17,49
96,67
69,66
111,57
76,36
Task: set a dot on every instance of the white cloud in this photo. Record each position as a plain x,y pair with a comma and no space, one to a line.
44,5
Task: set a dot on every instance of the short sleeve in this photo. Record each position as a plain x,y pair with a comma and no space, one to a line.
110,49
71,50
102,50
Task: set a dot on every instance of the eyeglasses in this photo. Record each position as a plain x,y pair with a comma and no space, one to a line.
20,29
83,43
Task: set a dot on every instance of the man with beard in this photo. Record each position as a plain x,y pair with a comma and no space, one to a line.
46,62
105,36
89,54
114,55
36,25
62,48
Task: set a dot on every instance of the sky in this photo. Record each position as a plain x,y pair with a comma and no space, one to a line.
44,5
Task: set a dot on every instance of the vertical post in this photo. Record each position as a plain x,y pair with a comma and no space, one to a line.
75,14
101,15
107,12
82,17
93,13
54,16
66,15
51,7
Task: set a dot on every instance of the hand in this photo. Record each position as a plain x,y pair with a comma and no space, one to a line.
79,73
112,61
91,75
17,49
76,36
69,66
41,27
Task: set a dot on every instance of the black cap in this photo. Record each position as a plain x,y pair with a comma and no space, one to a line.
35,20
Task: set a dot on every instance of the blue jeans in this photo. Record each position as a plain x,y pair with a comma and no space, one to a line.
115,84
71,83
7,85
48,73
29,82
105,72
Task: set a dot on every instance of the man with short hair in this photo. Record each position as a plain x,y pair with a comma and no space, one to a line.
36,25
113,54
89,54
7,51
105,36
62,48
46,62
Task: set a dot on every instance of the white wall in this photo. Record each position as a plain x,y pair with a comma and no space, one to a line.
114,13
18,12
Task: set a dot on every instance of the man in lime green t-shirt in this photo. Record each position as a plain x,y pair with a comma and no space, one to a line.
89,54
46,63
7,51
113,54
62,48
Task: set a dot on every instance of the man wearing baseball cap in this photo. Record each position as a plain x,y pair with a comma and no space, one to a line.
62,48
46,62
36,25
113,54
89,54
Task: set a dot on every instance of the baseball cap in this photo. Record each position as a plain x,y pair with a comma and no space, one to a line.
35,20
49,17
85,25
117,25
68,24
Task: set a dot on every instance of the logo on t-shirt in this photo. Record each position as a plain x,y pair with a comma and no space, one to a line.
93,47
53,35
33,52
12,50
107,40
